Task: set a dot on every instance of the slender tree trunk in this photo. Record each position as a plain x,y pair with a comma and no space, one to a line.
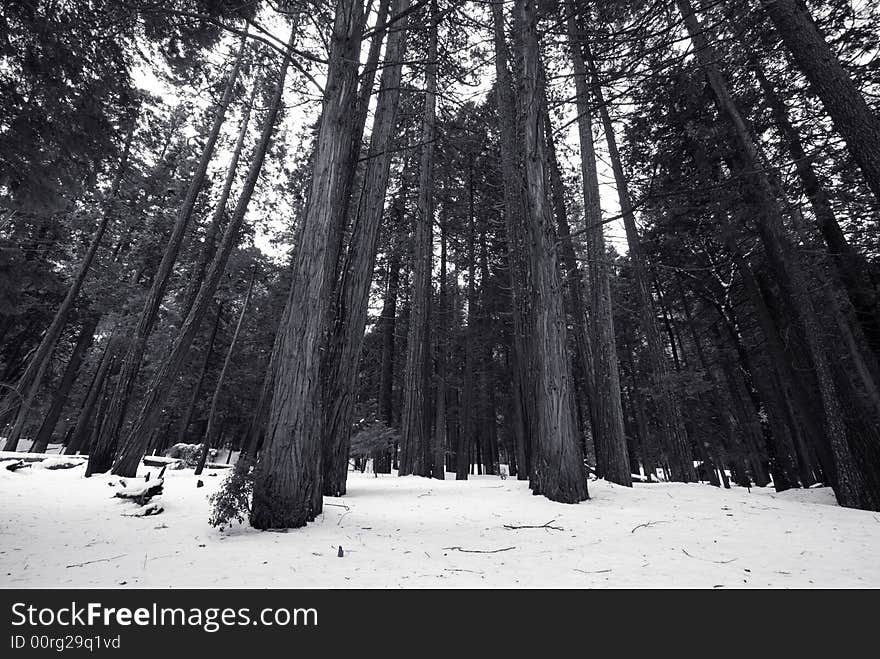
287,479
28,384
524,400
186,419
415,445
101,456
438,469
209,247
157,393
851,490
558,457
387,324
467,438
612,459
86,336
216,397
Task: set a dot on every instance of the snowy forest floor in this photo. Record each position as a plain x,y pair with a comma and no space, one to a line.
58,529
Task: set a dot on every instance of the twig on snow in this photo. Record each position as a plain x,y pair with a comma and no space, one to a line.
708,560
547,525
480,551
647,524
99,560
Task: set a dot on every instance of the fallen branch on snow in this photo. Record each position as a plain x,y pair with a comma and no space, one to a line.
547,525
98,560
479,551
141,494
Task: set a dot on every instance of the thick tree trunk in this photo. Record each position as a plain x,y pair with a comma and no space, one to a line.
101,455
164,378
612,459
558,456
340,366
852,117
415,444
287,479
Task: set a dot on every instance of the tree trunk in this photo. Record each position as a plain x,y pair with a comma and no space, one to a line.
524,401
612,459
161,384
340,366
852,117
28,384
216,397
101,455
186,419
415,445
287,479
852,489
86,336
558,457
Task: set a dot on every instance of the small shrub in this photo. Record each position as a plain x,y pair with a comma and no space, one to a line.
232,502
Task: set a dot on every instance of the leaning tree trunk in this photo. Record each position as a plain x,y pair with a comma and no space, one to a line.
852,489
212,411
852,117
214,225
415,444
674,437
287,479
160,387
558,456
29,382
612,457
186,419
339,369
59,398
101,455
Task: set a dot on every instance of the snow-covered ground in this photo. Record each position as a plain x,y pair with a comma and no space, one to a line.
58,529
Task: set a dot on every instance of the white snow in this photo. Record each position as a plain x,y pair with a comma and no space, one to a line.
58,529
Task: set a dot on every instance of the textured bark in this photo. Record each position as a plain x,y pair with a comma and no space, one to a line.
59,398
415,443
101,455
340,366
558,457
612,458
852,117
287,479
163,380
215,398
26,388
